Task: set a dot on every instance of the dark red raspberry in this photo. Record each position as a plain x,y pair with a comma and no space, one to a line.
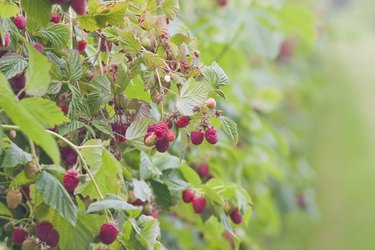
222,3
235,216
19,235
108,233
25,192
119,130
18,82
188,195
69,156
6,42
211,135
162,145
20,22
197,137
199,204
170,136
286,51
160,129
182,122
64,107
79,6
43,230
81,45
71,180
39,47
138,202
203,170
53,238
55,17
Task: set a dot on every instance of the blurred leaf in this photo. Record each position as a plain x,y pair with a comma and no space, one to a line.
170,8
215,75
55,195
93,155
12,64
56,34
141,190
8,9
110,203
162,195
147,168
15,156
165,161
230,127
70,127
4,210
39,11
190,175
37,73
150,231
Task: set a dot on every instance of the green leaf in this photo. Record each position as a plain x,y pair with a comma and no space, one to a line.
131,44
39,11
78,106
230,127
150,231
174,180
108,177
93,155
55,195
56,34
170,8
21,117
12,64
165,161
20,180
136,132
190,175
103,127
8,9
152,60
147,168
15,156
4,210
45,111
1,138
141,190
73,67
162,195
215,75
112,15
70,127
192,94
37,73
111,203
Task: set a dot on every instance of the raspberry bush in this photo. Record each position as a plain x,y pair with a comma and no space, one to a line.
116,132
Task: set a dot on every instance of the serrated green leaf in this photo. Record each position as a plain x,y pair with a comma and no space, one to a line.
147,168
70,127
37,73
230,127
12,64
165,161
115,204
141,190
45,111
21,117
190,175
108,177
150,231
170,8
136,132
162,194
39,11
174,180
131,44
152,60
56,34
78,106
215,75
102,126
55,195
1,138
15,156
93,155
193,94
73,67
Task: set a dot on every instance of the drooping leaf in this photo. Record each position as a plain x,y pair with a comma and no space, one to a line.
192,94
215,75
45,111
56,34
141,190
15,156
116,204
230,127
12,64
38,11
190,175
21,117
166,161
37,73
55,195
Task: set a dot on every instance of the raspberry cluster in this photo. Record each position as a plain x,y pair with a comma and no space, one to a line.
197,136
159,135
46,233
79,6
198,202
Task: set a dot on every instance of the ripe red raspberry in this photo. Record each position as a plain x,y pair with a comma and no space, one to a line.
182,122
53,239
71,180
81,45
6,42
14,198
170,136
211,135
79,6
30,169
39,47
162,145
43,230
203,170
64,107
20,22
160,129
197,137
108,233
199,204
188,195
150,139
235,216
19,235
55,17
